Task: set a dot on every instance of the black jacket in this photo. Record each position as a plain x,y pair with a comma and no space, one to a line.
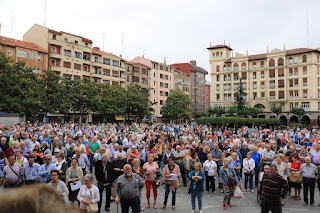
100,173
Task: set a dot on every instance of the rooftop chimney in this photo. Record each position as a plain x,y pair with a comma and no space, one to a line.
194,62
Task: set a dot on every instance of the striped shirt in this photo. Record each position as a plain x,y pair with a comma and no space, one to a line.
272,188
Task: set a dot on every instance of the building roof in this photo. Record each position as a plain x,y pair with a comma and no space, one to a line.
219,46
23,44
135,63
96,50
187,68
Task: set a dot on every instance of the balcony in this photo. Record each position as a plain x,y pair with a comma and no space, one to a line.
55,42
305,84
55,55
262,86
56,68
272,97
307,109
96,64
272,86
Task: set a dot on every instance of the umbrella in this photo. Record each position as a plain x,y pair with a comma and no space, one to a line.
266,130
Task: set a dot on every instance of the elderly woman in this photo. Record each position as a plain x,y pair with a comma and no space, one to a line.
58,184
150,169
210,169
20,159
169,169
248,167
235,164
230,181
88,194
295,167
138,170
74,174
61,166
196,186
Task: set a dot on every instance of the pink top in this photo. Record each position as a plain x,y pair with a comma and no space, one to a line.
151,168
176,170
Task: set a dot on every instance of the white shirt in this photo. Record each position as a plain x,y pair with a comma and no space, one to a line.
210,167
248,164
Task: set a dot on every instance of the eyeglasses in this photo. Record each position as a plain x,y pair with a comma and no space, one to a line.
47,159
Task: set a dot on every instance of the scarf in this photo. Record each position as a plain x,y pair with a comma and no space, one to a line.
59,165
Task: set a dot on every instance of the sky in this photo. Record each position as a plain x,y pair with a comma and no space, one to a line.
175,30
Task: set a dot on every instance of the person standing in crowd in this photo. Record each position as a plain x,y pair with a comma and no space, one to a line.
151,169
3,160
88,193
169,169
93,148
104,172
70,154
179,156
235,164
20,159
30,172
273,189
315,156
12,173
139,171
248,167
309,173
61,166
4,146
267,156
127,190
196,186
295,167
45,169
73,174
230,180
59,185
83,161
257,158
210,169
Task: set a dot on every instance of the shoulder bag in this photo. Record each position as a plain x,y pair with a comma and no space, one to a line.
92,207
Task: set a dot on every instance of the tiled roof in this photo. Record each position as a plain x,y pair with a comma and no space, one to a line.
300,50
98,52
60,33
23,44
219,46
187,68
257,57
134,63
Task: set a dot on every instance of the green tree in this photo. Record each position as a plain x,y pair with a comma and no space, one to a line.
239,99
231,111
138,103
218,111
298,111
250,111
276,109
177,106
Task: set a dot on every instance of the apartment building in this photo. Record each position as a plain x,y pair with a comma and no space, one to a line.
207,95
32,54
161,82
197,86
138,74
108,68
182,81
287,77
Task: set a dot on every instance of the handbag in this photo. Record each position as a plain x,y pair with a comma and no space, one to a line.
295,177
231,180
92,207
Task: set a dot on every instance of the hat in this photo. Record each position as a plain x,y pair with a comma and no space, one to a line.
56,150
71,146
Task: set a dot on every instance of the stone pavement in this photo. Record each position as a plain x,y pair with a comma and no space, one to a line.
212,202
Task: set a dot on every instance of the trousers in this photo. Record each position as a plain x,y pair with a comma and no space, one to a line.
274,207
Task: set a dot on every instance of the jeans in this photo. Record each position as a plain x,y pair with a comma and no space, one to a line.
274,207
256,177
308,184
166,195
133,203
195,194
91,162
246,178
108,194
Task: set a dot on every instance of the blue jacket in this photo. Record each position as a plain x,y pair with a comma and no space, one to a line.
224,177
199,184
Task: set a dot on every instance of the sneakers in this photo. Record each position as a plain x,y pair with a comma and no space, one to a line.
224,207
228,204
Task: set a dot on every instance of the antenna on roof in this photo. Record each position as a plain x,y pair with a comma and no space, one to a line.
307,29
103,42
11,23
164,60
121,44
45,13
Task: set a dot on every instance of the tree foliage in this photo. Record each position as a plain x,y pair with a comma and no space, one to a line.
239,98
298,111
218,111
177,106
276,109
239,121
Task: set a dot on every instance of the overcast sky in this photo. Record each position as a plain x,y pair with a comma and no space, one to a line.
179,30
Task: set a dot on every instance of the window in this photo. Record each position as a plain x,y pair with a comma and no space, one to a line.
77,66
218,78
254,65
76,42
39,57
224,68
213,54
255,85
229,67
305,82
262,74
262,64
10,53
67,53
161,76
295,59
217,68
280,83
53,62
86,68
53,50
218,97
106,61
22,54
304,59
161,84
161,102
280,62
305,93
66,64
254,75
115,63
290,61
281,72
86,44
66,40
272,73
32,55
243,66
305,70
54,37
262,85
244,76
305,106
271,63
77,55
235,67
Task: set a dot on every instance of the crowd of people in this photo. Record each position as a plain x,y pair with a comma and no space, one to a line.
83,161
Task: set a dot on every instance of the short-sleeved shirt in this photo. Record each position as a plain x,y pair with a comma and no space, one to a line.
315,156
94,146
151,168
267,154
309,171
179,161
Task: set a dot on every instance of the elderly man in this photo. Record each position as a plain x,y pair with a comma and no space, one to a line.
315,156
104,172
45,169
34,142
267,155
99,153
127,190
12,173
30,172
256,157
24,149
83,161
4,146
179,160
309,173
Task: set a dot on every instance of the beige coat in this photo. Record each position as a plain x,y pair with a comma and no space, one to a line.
80,174
176,170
